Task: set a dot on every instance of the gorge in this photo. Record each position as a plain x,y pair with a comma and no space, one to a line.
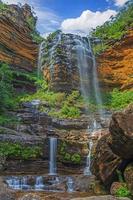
60,137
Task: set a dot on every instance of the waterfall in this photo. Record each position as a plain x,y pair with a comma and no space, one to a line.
70,185
88,72
39,63
52,159
88,160
39,183
86,64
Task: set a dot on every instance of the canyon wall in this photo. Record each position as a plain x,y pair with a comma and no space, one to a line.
115,65
16,45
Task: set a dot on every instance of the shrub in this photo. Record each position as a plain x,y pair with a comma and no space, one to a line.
116,27
123,192
120,99
69,112
31,21
3,6
76,158
6,88
36,37
17,150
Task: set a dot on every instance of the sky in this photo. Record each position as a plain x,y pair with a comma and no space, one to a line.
71,16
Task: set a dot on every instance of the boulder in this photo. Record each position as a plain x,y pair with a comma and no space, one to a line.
105,162
5,193
128,175
82,184
121,129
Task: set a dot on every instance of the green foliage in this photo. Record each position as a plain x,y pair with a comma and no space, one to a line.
69,111
17,150
3,6
76,158
99,48
120,99
53,99
53,35
6,88
123,192
24,75
116,27
7,119
36,37
67,157
61,105
31,21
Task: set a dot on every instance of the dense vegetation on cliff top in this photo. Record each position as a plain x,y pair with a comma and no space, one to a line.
114,29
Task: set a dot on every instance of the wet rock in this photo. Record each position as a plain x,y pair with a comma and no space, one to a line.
105,162
108,197
61,72
121,129
128,175
70,124
5,193
30,197
2,162
99,188
84,184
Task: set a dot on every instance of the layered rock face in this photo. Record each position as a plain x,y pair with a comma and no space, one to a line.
114,151
16,45
115,64
60,61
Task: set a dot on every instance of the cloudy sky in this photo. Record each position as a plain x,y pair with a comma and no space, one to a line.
75,16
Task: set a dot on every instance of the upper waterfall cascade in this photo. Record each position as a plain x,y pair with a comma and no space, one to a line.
68,63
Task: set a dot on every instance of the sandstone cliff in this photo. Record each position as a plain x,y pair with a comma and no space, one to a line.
116,64
16,45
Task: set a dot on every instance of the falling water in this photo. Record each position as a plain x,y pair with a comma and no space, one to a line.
96,87
14,183
52,160
70,185
88,160
88,72
89,85
39,183
39,64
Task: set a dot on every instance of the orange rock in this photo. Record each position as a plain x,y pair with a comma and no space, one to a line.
116,64
16,45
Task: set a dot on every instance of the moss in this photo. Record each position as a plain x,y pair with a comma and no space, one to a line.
3,7
17,150
76,158
67,156
123,192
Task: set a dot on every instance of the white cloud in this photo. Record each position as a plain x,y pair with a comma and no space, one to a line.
120,2
86,21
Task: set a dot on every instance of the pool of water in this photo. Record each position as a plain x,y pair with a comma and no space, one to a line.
41,183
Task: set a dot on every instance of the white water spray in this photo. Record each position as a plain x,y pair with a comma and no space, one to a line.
39,63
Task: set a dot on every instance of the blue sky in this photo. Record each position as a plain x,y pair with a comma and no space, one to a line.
75,16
